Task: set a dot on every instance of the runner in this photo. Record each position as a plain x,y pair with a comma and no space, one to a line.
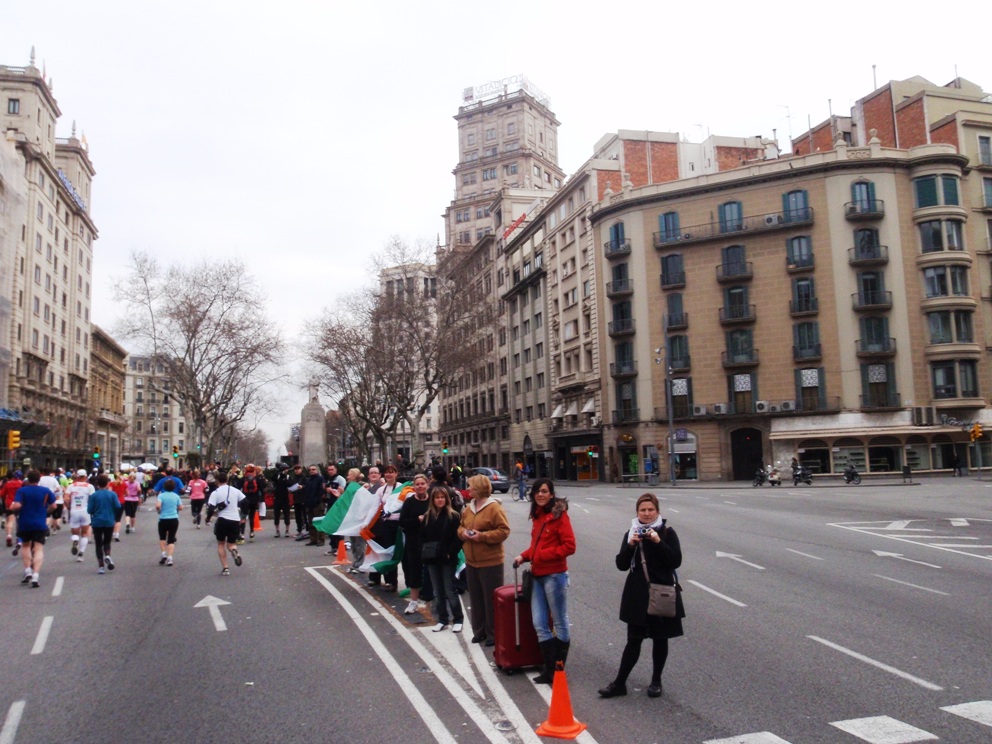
168,505
52,483
224,502
79,518
197,490
33,503
9,489
119,484
105,510
132,499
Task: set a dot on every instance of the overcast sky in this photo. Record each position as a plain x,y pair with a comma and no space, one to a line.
299,136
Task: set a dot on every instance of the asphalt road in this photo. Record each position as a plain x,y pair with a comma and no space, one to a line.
815,614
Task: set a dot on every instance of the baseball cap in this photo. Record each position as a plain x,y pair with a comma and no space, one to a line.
81,473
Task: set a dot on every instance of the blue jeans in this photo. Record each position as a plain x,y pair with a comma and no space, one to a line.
550,594
443,580
522,485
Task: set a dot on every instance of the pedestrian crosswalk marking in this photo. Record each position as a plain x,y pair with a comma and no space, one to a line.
764,737
980,711
883,730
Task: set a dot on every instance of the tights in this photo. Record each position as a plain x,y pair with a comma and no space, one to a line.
631,653
101,538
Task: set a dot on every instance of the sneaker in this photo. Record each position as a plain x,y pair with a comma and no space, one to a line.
241,541
326,552
17,549
197,525
110,563
237,558
34,581
225,572
117,537
439,627
168,562
101,570
277,534
412,607
27,576
10,541
79,558
456,628
161,561
75,547
127,529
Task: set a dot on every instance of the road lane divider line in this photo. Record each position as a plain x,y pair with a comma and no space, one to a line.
716,593
912,541
57,588
805,555
11,722
43,631
878,664
523,728
914,586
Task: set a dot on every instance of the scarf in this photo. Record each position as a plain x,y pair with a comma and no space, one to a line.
635,523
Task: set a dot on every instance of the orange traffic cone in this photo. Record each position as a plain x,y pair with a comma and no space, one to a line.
342,557
256,524
561,723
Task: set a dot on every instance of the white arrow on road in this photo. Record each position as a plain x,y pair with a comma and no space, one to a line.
214,604
737,558
884,554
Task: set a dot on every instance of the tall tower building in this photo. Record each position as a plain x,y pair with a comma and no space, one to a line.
50,325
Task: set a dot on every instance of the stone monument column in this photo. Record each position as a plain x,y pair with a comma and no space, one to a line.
313,430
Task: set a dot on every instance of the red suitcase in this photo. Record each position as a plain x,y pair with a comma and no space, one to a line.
516,642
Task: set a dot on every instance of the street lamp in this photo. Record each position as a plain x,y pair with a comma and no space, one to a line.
668,397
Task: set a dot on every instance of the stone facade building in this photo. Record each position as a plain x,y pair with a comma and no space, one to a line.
155,421
106,395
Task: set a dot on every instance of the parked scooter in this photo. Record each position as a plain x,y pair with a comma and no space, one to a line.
802,474
760,477
774,477
851,475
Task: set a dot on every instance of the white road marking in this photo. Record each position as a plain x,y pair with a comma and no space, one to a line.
915,586
591,498
737,558
732,503
450,646
883,730
884,554
903,526
979,712
57,588
716,593
959,522
879,665
673,511
953,545
763,737
11,722
43,631
213,604
807,555
912,540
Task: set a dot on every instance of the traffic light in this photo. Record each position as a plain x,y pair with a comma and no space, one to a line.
976,432
593,450
175,451
444,446
13,439
96,453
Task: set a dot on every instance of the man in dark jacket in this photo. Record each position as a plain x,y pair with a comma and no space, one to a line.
280,496
313,497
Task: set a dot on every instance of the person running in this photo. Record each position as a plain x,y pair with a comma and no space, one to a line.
78,495
224,502
253,487
168,505
33,504
52,483
197,489
132,499
105,511
9,489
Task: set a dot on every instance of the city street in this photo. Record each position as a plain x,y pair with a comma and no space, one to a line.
814,614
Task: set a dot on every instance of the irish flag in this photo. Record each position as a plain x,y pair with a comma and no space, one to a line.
353,510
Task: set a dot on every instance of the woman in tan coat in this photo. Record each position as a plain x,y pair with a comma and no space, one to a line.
484,528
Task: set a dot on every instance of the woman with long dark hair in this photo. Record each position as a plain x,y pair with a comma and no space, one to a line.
439,548
551,542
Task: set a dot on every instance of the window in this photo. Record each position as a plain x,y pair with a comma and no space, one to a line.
571,330
944,380
941,235
511,128
13,106
878,386
740,346
734,260
987,192
929,189
806,337
510,169
668,226
863,197
469,178
490,134
948,326
672,272
943,281
571,296
804,295
799,252
679,351
795,206
735,303
985,150
539,351
489,174
731,217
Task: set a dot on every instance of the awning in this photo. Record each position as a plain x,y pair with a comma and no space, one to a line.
557,413
573,409
864,432
590,406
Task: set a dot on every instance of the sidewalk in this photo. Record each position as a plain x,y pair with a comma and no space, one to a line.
834,481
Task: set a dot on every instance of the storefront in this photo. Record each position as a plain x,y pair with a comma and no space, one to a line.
577,459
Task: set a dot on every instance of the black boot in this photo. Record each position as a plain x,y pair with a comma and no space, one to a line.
563,651
549,651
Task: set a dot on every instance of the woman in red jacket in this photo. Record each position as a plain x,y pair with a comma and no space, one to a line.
551,542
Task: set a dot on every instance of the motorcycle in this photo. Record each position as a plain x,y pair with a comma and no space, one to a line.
802,474
760,477
851,475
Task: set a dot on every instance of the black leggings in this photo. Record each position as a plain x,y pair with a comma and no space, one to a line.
280,506
103,537
251,508
300,512
196,506
632,652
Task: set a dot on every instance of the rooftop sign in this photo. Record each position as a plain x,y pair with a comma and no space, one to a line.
495,88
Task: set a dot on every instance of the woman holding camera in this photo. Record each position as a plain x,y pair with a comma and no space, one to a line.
551,542
651,539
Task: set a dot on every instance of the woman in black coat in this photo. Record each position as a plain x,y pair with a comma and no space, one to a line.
657,542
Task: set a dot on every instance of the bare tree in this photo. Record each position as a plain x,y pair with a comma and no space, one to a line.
207,325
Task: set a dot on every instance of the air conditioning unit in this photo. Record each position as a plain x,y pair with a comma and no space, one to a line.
788,405
923,416
774,408
771,219
761,406
596,421
687,236
698,410
719,408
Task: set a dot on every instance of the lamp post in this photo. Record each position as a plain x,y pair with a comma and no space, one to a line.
668,398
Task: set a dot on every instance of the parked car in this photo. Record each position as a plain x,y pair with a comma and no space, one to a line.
500,480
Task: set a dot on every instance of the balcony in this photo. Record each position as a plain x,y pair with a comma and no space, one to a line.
672,279
623,327
623,369
869,255
877,348
680,363
807,352
619,288
626,416
864,210
881,401
720,230
739,358
875,299
616,248
678,322
735,314
819,405
735,271
680,410
796,264
804,306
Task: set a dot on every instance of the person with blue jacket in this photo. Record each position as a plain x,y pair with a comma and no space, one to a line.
105,510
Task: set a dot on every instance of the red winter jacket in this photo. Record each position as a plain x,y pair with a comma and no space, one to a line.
551,546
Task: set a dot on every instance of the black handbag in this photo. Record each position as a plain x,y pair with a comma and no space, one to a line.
430,551
526,586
